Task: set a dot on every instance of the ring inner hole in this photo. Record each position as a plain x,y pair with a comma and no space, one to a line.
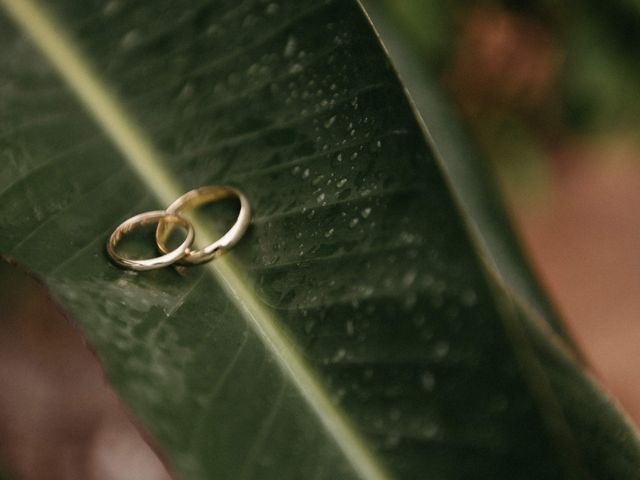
217,216
140,242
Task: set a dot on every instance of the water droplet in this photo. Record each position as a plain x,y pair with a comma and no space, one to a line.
249,20
353,222
272,9
290,47
409,278
469,298
341,183
329,233
428,381
330,122
339,355
186,92
296,68
253,69
320,198
131,39
430,430
375,147
406,237
440,350
349,327
366,212
305,174
367,291
296,170
111,7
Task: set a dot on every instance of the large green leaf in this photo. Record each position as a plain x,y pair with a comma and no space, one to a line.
355,332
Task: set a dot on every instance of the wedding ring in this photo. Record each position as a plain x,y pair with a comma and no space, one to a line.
195,198
145,218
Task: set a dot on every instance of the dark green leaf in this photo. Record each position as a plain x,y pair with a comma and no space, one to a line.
355,332
468,172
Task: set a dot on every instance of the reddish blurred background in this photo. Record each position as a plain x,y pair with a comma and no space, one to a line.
58,418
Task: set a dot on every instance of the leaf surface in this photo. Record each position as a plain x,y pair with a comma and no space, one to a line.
355,332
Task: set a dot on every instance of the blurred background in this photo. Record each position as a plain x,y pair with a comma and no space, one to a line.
550,93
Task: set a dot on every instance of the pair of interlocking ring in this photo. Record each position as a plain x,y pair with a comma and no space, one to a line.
167,219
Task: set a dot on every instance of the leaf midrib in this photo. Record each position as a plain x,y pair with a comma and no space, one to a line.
148,164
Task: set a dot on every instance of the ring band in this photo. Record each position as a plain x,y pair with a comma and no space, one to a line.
195,198
145,218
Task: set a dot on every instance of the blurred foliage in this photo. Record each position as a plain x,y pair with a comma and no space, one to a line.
529,75
599,42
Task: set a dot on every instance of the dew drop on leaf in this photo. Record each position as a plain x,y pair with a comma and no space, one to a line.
409,278
131,39
290,47
469,298
430,430
272,9
440,350
296,68
375,147
350,328
339,355
428,381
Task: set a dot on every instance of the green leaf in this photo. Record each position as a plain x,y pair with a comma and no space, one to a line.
356,331
466,169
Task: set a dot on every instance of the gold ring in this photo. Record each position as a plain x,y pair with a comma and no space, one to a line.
195,198
144,219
